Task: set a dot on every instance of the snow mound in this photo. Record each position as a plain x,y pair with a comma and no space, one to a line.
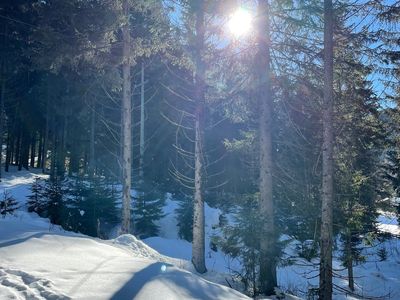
16,284
138,247
387,222
81,267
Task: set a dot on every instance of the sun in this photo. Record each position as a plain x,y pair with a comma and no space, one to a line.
240,22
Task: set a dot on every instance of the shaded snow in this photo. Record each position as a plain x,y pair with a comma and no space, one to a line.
51,264
388,223
41,261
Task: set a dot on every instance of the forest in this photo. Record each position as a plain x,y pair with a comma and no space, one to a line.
281,115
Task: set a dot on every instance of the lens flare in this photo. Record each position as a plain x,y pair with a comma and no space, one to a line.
240,22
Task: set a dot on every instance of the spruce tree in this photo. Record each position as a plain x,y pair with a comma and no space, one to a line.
148,209
8,204
36,198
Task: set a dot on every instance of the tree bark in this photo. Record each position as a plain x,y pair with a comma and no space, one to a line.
92,138
126,125
325,277
3,98
349,260
40,150
9,150
46,131
198,245
141,159
268,241
33,150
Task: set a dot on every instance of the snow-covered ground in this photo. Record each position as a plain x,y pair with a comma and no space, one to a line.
374,278
42,261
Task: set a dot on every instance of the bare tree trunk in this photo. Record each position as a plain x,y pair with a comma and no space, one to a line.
268,241
126,125
349,260
40,150
141,159
92,138
325,277
3,98
18,150
198,246
46,132
62,149
9,150
33,150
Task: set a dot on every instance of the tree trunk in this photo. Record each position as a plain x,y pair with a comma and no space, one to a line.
40,150
18,149
46,131
198,246
3,98
8,151
62,147
268,241
126,125
349,260
325,277
141,159
92,138
26,146
53,152
33,150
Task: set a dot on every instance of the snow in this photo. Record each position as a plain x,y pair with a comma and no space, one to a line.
387,222
169,244
42,261
374,278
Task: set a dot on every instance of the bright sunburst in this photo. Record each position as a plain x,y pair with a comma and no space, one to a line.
240,22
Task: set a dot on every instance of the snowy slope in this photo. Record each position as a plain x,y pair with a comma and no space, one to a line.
41,261
374,278
40,264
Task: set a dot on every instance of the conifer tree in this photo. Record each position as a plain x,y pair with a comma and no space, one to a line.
8,204
36,198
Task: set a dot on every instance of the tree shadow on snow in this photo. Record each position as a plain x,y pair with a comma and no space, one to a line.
21,240
180,283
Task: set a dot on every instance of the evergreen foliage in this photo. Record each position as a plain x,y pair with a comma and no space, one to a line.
184,216
241,240
79,204
92,207
61,85
55,204
36,198
8,204
147,210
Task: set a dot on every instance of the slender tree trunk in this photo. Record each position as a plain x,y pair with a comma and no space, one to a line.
33,150
26,143
8,151
126,125
62,149
349,260
46,133
92,138
40,150
268,241
53,151
141,159
3,98
18,150
198,246
325,277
